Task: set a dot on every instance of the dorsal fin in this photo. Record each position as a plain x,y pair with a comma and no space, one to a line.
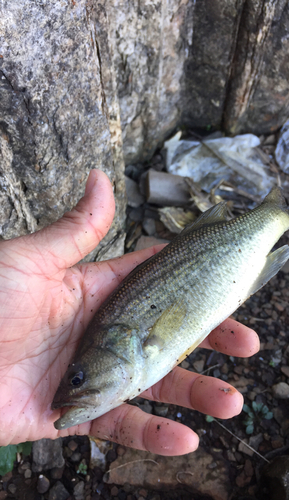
217,213
276,197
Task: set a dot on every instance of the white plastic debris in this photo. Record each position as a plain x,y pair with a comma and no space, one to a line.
282,148
230,159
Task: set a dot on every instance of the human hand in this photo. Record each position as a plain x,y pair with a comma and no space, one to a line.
45,307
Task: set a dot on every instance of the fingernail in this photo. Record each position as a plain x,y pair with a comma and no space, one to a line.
91,181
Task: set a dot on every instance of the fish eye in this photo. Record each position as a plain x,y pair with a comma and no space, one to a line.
77,379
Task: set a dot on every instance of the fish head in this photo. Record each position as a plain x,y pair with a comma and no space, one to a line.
91,386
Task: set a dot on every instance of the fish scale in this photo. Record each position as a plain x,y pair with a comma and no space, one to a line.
167,305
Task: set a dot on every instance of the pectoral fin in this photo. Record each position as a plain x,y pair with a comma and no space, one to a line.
274,262
165,327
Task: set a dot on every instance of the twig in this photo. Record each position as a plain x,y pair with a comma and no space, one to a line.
210,368
241,440
133,462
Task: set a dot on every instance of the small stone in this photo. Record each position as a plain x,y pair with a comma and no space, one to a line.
57,472
67,452
28,473
120,451
76,457
270,140
285,370
285,268
58,492
47,453
231,456
285,427
185,364
251,395
6,477
244,449
78,490
242,480
72,445
12,489
143,493
281,390
23,467
134,197
146,407
161,411
43,484
255,441
225,369
149,226
225,442
249,469
136,214
114,491
277,442
278,415
199,365
238,369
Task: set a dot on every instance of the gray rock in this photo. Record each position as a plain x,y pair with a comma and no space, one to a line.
134,197
76,457
47,453
28,473
244,449
258,97
12,488
281,390
59,114
149,226
78,491
43,484
57,472
58,492
161,411
255,441
146,407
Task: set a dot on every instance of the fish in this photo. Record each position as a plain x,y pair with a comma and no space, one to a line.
169,304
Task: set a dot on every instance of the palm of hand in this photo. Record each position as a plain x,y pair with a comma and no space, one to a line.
45,307
40,327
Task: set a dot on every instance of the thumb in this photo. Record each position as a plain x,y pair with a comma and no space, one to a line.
79,231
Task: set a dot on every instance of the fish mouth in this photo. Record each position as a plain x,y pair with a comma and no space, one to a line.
60,404
84,400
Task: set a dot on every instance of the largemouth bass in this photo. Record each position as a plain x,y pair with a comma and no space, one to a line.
168,304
